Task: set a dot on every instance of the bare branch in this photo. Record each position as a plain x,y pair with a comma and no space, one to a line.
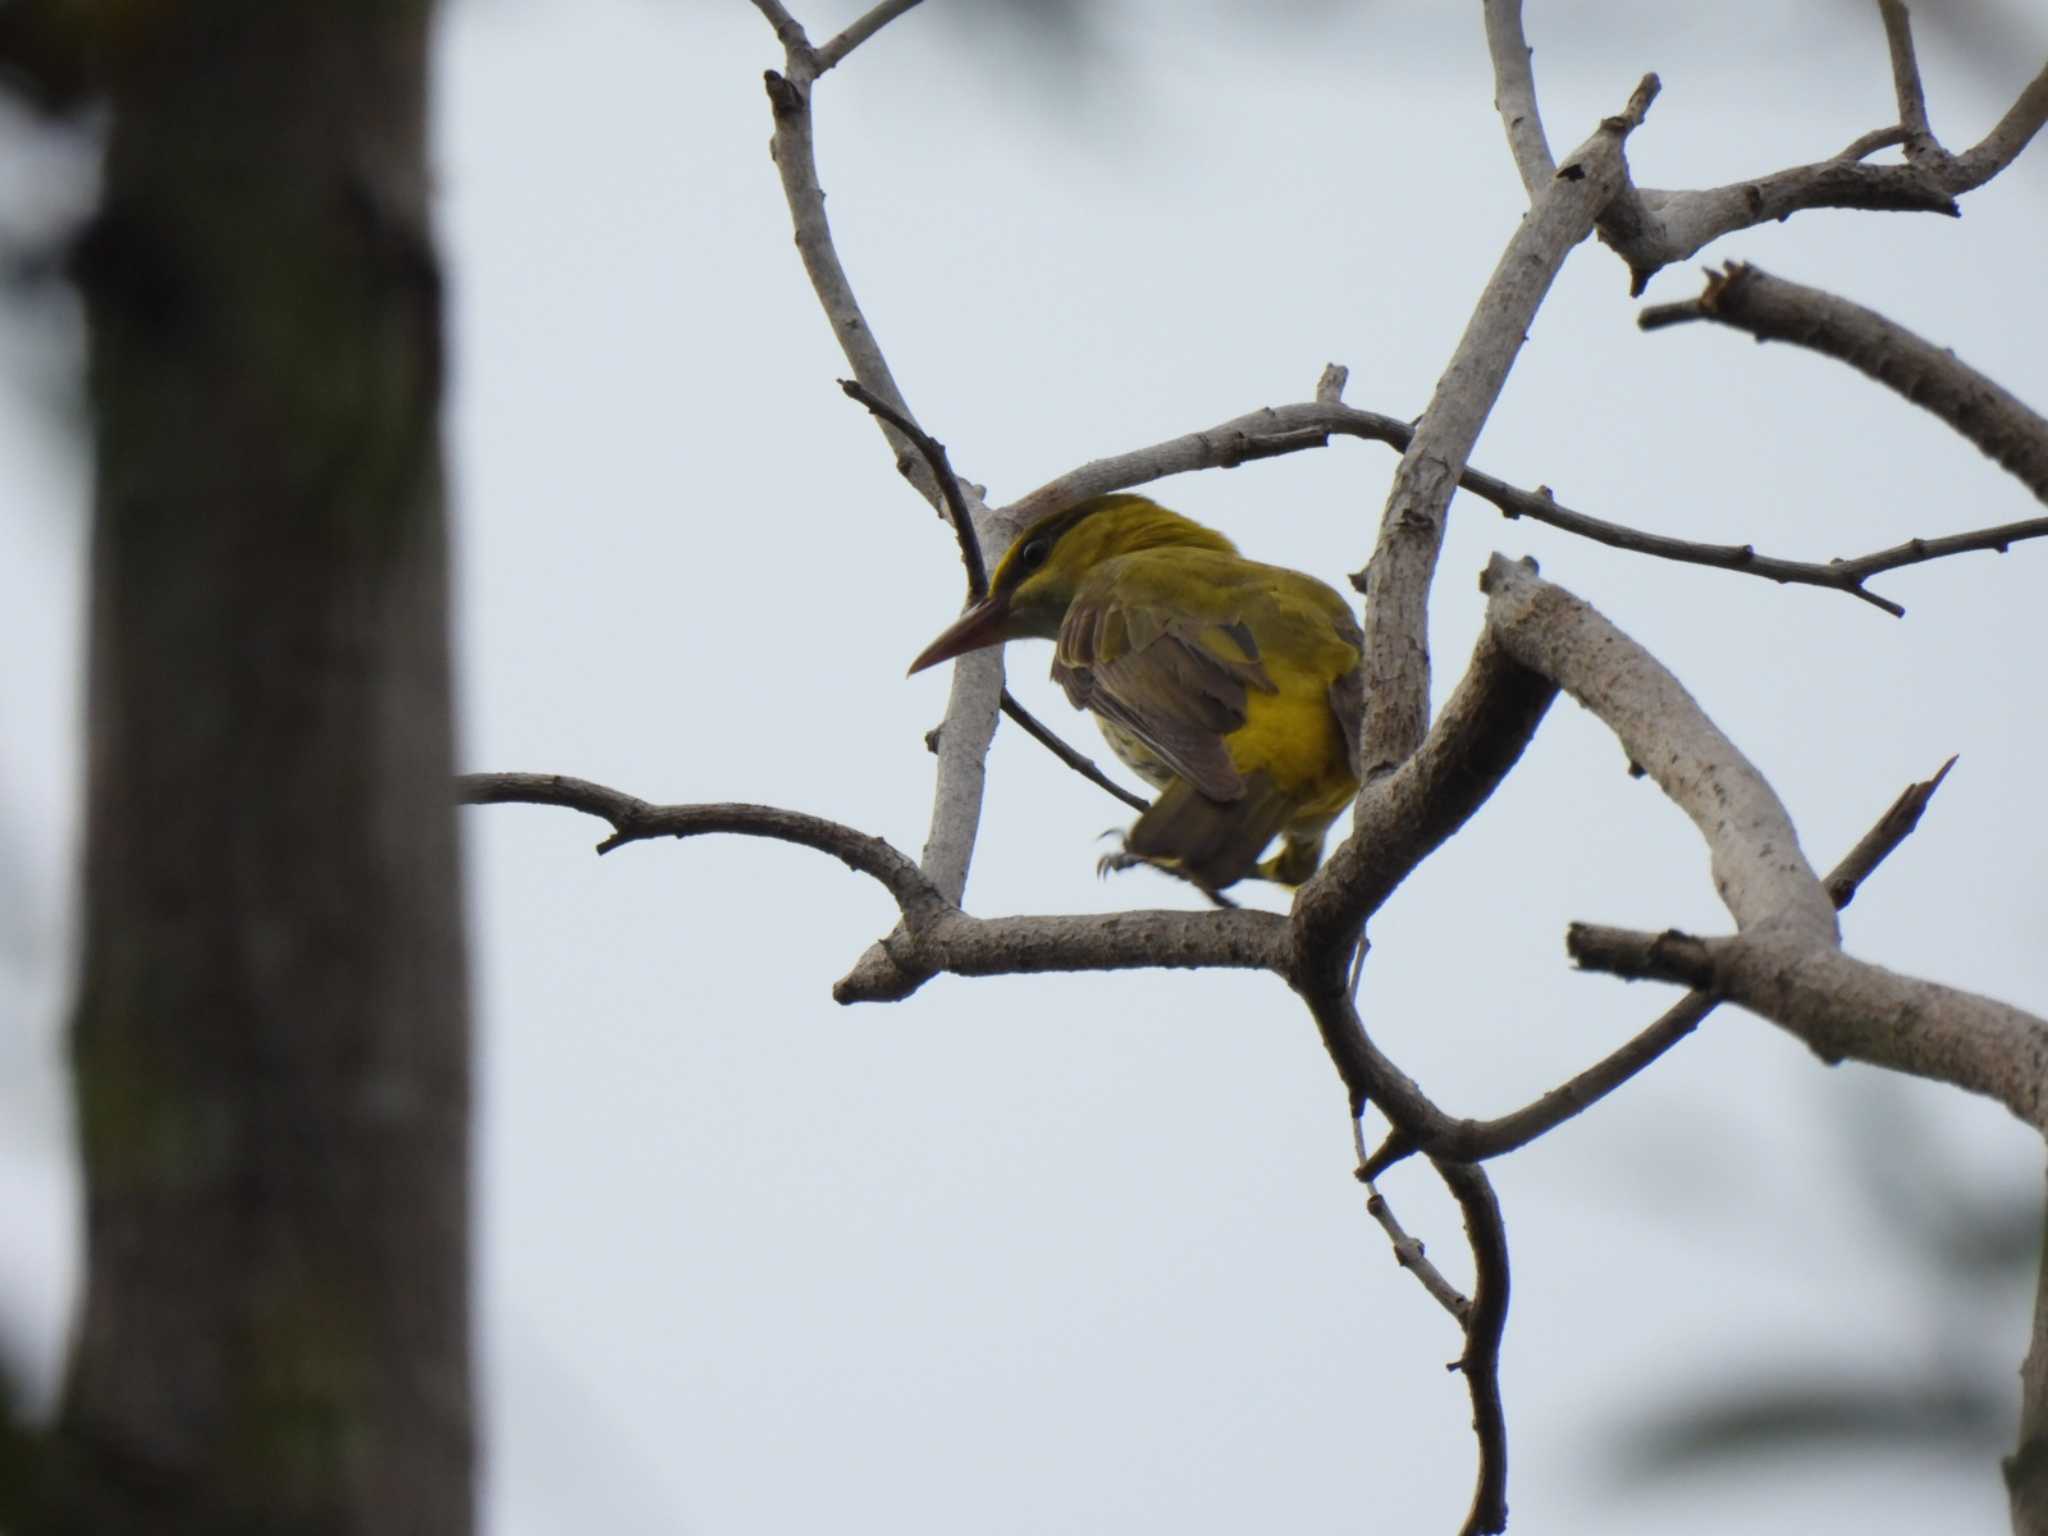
1847,1009
977,684
933,452
1677,225
634,820
2002,145
1478,1140
936,936
1412,528
969,725
1480,1363
1084,766
863,29
1892,829
1785,964
1758,869
1898,32
1330,387
1411,1256
1273,430
1482,1318
788,31
1407,815
1867,144
1652,229
1514,95
1770,309
796,160
1539,506
1263,433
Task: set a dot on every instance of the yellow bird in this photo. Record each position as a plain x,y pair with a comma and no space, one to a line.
1233,688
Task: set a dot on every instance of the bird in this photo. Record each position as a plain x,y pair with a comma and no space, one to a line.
1233,688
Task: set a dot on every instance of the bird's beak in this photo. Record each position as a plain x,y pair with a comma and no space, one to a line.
979,626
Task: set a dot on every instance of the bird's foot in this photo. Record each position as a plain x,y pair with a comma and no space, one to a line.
1115,863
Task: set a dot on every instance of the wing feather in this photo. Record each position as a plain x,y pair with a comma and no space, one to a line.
1177,683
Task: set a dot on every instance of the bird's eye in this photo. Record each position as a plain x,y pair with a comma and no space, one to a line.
1032,555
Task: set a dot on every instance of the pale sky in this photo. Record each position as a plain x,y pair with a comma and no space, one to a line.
1084,1254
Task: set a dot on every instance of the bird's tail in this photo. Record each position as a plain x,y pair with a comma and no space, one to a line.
1214,843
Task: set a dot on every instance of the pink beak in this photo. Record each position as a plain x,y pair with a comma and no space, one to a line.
981,625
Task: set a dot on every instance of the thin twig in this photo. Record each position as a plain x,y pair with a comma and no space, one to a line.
1409,1254
1295,428
634,820
934,454
1539,506
1863,146
1892,829
1084,766
2004,428
1898,33
863,29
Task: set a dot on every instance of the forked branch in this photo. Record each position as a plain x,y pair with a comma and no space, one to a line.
1785,962
2002,426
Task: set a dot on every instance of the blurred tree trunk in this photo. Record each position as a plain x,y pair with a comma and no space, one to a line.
271,1041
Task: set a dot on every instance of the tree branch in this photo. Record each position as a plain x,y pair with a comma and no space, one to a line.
1898,35
1748,299
1758,869
634,820
1785,964
977,684
1411,1256
953,500
1479,1140
1404,817
1867,144
789,32
936,936
1412,528
1514,95
1084,766
934,454
1846,1009
1650,229
1280,429
1875,846
1487,1234
1677,225
863,29
2002,145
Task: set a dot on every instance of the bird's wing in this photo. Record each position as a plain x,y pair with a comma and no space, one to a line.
1174,680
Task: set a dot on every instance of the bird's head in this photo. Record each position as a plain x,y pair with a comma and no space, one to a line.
1029,593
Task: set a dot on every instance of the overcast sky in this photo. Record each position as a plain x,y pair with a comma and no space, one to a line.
1084,1254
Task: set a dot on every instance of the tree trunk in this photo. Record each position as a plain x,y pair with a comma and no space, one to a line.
271,1040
